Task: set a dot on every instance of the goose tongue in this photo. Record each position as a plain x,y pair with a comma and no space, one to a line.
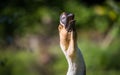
68,21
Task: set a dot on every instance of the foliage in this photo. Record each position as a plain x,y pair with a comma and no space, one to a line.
98,25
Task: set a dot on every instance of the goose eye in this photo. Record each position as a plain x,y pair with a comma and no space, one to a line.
63,19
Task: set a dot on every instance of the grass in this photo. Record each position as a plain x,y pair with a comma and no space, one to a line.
26,63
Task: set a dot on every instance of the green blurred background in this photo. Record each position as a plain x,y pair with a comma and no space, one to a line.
29,39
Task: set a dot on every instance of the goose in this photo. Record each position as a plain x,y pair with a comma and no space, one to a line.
68,44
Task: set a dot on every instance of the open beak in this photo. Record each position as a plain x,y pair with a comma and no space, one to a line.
67,20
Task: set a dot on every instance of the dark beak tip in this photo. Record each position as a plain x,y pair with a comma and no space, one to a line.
71,15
